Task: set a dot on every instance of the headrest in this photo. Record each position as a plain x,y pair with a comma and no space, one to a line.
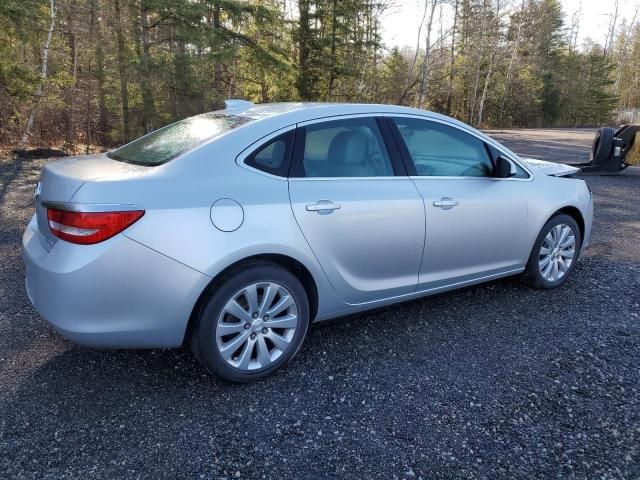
348,147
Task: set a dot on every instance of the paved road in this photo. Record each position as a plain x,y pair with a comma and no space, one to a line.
491,381
552,144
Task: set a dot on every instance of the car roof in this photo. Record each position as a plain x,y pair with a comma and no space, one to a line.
296,112
279,115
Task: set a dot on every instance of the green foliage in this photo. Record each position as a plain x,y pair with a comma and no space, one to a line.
598,99
18,75
394,74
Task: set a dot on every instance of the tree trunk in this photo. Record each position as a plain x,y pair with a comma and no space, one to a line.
376,85
264,87
334,27
424,71
43,76
96,28
494,47
410,83
608,43
453,58
175,96
89,131
512,60
484,92
303,81
71,90
148,107
124,78
479,53
218,67
463,53
575,28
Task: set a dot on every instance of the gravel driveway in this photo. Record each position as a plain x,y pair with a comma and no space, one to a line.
491,381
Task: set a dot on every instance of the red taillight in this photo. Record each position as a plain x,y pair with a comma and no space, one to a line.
87,228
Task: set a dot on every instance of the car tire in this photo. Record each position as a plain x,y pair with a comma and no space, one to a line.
262,348
602,147
546,249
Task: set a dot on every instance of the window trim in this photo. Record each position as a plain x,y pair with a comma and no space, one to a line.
296,170
408,161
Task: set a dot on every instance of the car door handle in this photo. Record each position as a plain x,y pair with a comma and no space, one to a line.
323,206
445,203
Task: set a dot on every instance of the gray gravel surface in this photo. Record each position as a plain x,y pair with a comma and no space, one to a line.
491,381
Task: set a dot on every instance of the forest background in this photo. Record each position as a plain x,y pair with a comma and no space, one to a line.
81,75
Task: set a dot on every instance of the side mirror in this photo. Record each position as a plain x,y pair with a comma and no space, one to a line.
504,168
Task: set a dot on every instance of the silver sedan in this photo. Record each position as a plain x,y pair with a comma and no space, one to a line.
233,230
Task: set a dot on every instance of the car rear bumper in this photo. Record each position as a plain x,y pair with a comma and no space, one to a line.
117,293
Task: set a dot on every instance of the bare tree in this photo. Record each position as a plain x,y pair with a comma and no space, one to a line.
453,57
43,75
608,42
144,43
512,61
623,50
123,71
410,83
70,94
492,57
575,27
95,38
424,71
478,60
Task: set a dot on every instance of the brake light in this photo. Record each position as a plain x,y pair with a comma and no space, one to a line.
87,228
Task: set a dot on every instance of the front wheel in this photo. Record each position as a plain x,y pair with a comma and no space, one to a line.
253,324
554,253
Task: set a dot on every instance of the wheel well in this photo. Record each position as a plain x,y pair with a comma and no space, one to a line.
574,213
291,264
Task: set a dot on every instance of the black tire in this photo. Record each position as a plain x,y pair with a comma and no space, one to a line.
532,275
203,342
602,147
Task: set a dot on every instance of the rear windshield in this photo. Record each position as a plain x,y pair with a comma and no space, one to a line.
167,143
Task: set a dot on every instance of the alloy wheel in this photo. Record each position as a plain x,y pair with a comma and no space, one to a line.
557,252
256,326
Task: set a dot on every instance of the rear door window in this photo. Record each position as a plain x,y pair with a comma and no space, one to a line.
167,143
344,148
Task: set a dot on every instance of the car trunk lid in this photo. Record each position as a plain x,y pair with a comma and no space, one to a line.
61,179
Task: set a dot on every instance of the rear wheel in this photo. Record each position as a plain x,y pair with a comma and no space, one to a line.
555,253
253,324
